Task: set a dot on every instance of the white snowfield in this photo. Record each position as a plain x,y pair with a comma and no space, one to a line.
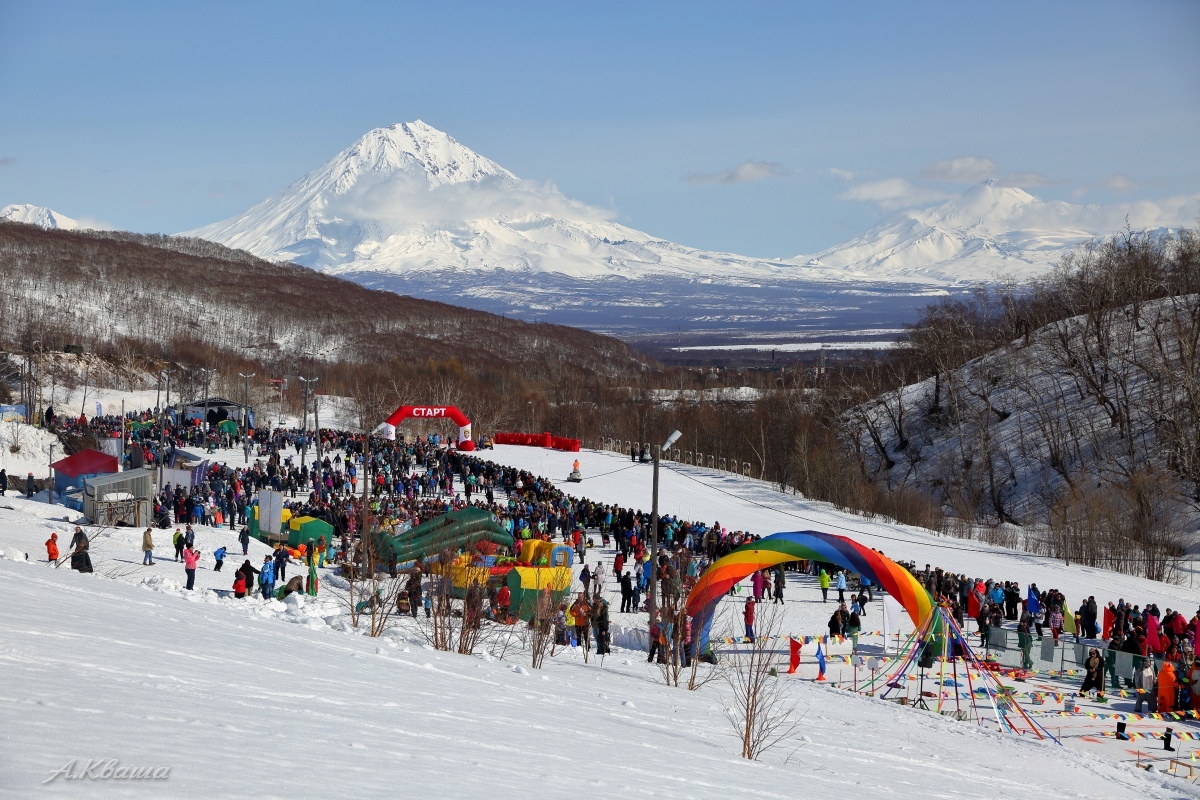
222,698
229,698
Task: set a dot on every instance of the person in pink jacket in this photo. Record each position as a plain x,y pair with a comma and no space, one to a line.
191,557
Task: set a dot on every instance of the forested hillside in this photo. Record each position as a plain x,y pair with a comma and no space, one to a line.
155,300
1073,404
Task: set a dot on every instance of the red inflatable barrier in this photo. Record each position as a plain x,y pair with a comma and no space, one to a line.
546,440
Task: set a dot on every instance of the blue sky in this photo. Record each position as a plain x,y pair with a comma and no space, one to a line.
770,129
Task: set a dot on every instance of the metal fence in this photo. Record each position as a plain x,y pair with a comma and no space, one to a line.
1011,649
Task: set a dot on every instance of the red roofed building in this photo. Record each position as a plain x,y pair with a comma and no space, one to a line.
70,472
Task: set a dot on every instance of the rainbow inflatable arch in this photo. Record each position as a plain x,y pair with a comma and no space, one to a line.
778,548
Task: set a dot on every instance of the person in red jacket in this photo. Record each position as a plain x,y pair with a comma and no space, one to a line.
503,598
52,547
748,616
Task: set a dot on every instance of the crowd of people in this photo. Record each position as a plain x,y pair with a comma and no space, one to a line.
407,482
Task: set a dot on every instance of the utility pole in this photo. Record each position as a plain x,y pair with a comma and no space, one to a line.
51,489
208,373
282,386
651,595
304,424
246,398
317,422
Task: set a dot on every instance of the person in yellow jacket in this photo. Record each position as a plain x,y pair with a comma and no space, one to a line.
823,579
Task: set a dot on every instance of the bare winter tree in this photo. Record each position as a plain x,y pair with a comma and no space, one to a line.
760,710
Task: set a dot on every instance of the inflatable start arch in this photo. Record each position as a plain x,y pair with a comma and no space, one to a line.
777,548
464,442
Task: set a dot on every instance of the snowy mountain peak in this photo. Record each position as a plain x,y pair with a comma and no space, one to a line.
38,215
985,205
416,149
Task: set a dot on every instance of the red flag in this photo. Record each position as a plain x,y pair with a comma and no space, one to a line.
795,655
1109,619
973,605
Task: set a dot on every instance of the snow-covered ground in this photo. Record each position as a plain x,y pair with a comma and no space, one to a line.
25,449
233,702
285,699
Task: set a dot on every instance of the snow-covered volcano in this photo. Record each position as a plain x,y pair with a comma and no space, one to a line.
409,209
990,231
410,199
38,215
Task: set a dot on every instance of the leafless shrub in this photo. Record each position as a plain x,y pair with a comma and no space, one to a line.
761,712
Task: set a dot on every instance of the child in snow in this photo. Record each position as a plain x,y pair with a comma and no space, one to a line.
52,547
219,555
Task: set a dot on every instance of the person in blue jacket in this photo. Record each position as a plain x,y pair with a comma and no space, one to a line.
1033,604
219,555
266,578
841,587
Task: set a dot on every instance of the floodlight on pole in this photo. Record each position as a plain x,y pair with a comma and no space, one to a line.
651,595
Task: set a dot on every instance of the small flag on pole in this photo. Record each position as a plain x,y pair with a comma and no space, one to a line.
820,664
794,660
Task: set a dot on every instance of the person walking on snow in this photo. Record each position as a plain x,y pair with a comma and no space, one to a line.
52,548
823,580
177,540
191,557
219,555
748,617
147,549
266,578
244,538
841,587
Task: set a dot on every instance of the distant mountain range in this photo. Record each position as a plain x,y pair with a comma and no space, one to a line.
410,209
40,216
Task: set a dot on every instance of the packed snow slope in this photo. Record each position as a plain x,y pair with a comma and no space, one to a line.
231,699
737,503
39,215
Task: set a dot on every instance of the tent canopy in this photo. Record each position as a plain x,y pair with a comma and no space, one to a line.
86,462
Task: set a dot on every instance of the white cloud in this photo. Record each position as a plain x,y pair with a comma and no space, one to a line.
892,193
394,200
746,172
1119,182
842,174
961,169
1024,180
